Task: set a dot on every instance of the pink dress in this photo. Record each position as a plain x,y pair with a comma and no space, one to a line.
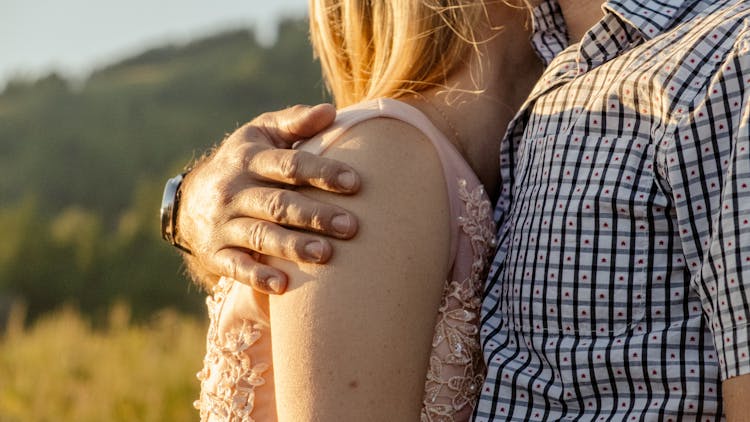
237,378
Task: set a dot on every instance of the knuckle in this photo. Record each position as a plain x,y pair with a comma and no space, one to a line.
244,156
289,166
231,266
247,140
276,205
222,200
317,218
257,233
242,134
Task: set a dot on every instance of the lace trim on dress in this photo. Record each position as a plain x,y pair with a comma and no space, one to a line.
456,369
228,378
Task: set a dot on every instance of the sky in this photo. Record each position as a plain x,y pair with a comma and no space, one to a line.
73,37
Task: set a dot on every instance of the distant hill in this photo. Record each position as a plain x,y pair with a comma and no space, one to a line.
81,169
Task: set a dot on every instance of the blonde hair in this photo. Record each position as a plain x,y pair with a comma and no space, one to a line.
389,48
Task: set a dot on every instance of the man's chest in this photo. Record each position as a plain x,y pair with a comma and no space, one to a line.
591,237
596,143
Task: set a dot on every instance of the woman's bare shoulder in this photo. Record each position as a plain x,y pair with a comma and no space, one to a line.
387,145
373,305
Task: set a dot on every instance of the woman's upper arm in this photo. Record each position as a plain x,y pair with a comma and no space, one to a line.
351,339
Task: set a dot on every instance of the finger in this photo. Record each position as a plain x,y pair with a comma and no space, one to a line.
285,127
273,240
301,168
296,210
299,122
239,265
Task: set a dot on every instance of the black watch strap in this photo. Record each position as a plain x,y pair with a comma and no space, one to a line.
170,204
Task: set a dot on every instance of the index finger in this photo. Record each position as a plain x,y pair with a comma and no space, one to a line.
301,168
290,125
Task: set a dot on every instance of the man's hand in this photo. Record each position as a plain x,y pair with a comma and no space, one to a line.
235,202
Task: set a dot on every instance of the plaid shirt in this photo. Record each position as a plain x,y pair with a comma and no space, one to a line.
618,289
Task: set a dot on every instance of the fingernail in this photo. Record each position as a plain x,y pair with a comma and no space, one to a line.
346,179
314,250
342,223
275,284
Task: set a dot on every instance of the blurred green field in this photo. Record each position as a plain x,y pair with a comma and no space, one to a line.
62,369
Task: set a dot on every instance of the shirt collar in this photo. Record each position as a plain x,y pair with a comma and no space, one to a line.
550,35
636,19
649,17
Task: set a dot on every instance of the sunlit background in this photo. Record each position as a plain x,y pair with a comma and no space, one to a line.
100,102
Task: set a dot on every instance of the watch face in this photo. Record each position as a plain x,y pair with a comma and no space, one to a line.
168,208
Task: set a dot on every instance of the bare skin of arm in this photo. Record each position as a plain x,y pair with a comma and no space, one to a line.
736,393
364,345
234,201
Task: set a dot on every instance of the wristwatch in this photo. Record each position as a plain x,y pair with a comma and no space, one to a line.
170,204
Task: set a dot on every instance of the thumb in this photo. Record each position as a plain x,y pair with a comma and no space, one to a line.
299,122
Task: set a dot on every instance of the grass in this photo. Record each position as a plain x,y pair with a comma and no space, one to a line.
62,369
